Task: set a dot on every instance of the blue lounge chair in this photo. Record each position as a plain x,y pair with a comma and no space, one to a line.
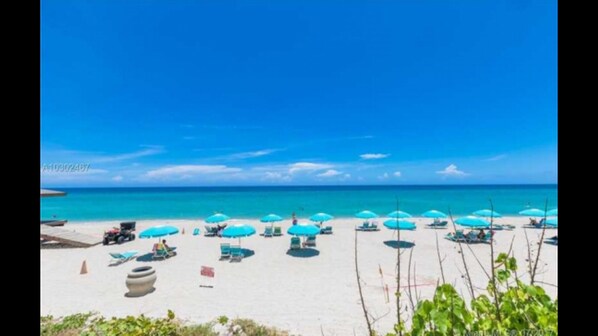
268,231
224,251
438,225
211,231
196,232
326,230
119,258
367,226
235,253
310,241
277,231
457,236
295,243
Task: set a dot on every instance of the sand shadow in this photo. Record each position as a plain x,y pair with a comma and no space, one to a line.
129,295
120,262
401,244
303,253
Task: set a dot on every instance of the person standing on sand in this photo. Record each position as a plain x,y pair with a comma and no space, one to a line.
294,219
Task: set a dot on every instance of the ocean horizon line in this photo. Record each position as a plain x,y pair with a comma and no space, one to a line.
312,186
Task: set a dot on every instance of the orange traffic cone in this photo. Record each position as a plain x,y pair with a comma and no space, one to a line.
83,267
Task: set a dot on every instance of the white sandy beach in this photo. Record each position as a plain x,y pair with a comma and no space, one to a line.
300,294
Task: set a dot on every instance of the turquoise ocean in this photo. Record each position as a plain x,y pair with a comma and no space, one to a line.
97,204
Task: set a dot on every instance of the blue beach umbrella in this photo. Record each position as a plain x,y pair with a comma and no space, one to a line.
553,212
271,218
532,212
366,214
159,231
238,231
434,214
217,218
487,213
397,224
320,217
303,230
398,214
552,222
473,222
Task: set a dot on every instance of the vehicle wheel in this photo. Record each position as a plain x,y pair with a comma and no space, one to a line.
132,236
120,240
105,241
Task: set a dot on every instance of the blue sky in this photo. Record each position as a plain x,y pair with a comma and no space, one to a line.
152,93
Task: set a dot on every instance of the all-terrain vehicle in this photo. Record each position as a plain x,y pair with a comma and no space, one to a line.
119,235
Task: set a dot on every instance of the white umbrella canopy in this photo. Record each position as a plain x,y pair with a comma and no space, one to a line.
51,193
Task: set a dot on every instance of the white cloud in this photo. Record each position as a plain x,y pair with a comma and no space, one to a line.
307,167
497,157
276,176
451,170
329,173
372,156
347,176
187,171
397,174
247,155
384,176
150,150
117,178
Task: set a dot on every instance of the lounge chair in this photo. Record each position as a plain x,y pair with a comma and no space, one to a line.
326,230
457,236
295,243
268,231
211,231
438,225
277,231
552,240
366,226
235,253
310,241
160,252
224,251
196,232
119,258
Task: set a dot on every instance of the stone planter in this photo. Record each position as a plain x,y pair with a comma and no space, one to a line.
140,281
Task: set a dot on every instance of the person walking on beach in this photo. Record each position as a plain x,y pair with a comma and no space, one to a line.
294,219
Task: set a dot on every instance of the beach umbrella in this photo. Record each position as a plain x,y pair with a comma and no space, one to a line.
398,214
533,212
238,231
217,218
553,212
271,218
487,213
159,231
320,217
434,214
398,224
473,222
303,230
552,222
366,214
50,193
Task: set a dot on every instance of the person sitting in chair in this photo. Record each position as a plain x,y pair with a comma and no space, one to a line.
533,221
481,234
168,249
